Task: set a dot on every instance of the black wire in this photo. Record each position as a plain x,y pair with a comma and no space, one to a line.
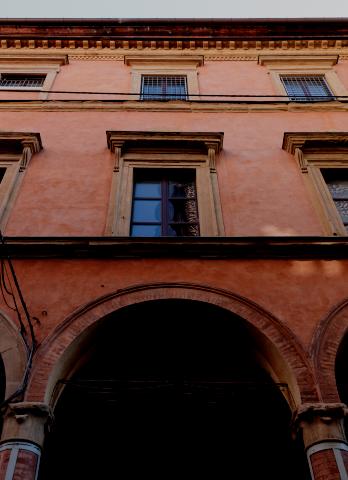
30,349
171,95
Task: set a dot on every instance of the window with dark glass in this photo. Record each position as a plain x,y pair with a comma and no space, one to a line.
164,203
22,80
337,182
163,87
307,88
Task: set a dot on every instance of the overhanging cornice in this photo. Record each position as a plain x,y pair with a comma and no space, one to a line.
209,248
178,34
120,139
294,140
18,140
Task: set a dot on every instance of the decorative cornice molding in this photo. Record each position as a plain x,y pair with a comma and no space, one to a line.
119,139
52,58
299,59
299,140
185,106
19,141
211,248
137,45
143,60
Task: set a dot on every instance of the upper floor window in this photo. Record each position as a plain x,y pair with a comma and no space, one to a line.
21,80
323,159
304,78
30,71
16,150
163,87
337,183
165,184
164,77
307,88
164,203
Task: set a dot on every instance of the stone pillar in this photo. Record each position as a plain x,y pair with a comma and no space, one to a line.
22,439
324,439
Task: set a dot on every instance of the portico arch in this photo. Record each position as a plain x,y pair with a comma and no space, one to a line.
13,354
326,342
63,352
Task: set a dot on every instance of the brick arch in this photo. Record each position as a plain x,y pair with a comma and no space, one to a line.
326,341
58,349
13,354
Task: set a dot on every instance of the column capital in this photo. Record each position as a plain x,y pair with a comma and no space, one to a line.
320,422
26,421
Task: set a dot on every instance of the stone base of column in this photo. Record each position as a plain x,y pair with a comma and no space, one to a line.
19,460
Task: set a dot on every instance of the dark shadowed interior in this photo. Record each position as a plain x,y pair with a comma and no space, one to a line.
172,388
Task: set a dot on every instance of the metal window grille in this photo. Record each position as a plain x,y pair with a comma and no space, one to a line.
164,87
25,80
307,88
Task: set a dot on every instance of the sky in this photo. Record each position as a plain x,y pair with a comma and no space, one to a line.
173,8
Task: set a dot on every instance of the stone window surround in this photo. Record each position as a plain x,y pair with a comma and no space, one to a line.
48,65
185,65
287,65
150,155
314,151
20,147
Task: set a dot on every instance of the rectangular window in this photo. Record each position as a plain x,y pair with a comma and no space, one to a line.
307,88
163,87
21,80
336,180
164,203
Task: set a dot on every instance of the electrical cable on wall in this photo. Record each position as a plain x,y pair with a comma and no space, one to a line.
6,288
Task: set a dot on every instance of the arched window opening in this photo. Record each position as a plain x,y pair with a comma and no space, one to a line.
172,387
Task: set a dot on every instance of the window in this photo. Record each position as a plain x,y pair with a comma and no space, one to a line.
164,203
337,183
307,88
30,71
16,150
323,160
164,77
163,87
304,78
164,184
21,80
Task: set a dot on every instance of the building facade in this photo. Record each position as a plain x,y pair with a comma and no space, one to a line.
174,271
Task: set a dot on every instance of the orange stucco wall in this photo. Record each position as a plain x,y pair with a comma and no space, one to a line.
66,192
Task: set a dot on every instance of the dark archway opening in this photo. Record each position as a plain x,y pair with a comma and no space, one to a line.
172,388
341,368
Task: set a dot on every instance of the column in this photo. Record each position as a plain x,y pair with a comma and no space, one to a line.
22,439
324,439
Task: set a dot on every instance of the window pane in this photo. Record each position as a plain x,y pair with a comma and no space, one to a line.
337,182
310,87
163,87
146,210
2,173
21,80
183,230
146,231
182,211
182,189
147,189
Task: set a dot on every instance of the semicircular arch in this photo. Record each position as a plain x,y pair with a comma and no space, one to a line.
13,354
282,353
324,348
